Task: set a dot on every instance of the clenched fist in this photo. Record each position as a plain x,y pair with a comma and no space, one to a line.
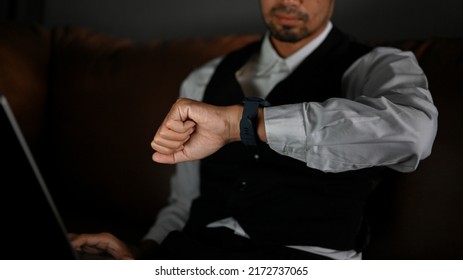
194,130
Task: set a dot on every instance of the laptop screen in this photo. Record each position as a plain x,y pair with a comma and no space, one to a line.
31,227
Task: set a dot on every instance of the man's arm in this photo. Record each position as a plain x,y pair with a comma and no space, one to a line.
387,119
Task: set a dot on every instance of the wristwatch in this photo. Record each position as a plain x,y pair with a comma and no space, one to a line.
248,123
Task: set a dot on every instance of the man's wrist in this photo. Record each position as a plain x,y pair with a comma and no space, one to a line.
261,132
234,112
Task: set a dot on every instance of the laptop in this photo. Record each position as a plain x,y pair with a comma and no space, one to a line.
30,225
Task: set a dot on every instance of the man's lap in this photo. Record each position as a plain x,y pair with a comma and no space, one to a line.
222,243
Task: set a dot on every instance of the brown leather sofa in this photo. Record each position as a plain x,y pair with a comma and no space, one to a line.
90,104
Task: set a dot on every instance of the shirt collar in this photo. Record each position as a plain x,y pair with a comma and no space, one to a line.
269,57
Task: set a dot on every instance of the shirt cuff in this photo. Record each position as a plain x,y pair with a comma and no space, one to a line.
285,128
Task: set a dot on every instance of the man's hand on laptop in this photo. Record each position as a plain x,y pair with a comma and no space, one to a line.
100,244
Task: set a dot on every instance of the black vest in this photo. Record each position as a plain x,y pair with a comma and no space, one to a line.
276,199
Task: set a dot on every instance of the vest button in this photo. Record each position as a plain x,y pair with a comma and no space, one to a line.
256,156
243,185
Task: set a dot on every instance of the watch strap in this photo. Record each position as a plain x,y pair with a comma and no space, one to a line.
248,123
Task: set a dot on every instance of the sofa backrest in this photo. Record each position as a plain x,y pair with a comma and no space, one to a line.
24,58
418,215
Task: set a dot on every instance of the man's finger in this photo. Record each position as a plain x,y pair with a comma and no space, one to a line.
180,126
168,134
167,147
163,158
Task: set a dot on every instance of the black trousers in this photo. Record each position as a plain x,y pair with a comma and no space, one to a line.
223,244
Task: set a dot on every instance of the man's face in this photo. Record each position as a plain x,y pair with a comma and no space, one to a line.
296,20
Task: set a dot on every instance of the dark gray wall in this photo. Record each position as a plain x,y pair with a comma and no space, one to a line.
146,19
399,19
22,10
154,19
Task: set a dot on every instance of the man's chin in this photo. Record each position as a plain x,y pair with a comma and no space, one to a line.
288,34
289,37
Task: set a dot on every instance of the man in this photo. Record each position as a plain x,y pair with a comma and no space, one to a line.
286,174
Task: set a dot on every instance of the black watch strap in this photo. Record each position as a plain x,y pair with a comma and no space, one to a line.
248,123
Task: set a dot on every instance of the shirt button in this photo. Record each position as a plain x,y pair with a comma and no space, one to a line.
243,185
256,157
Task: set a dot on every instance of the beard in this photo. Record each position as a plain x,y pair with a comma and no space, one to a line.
287,33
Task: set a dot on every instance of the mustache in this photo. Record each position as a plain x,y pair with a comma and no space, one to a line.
289,11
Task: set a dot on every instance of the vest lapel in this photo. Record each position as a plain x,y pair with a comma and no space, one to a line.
224,89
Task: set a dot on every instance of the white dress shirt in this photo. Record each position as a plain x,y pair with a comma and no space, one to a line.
388,119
